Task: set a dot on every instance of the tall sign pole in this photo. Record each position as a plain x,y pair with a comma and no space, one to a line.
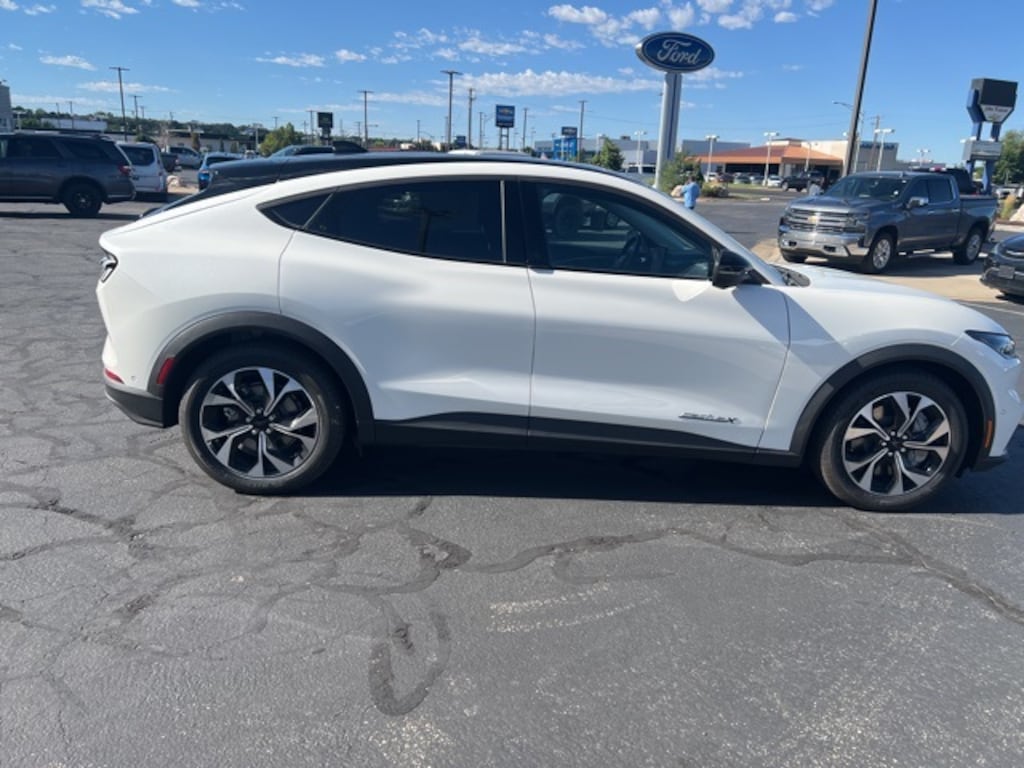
674,53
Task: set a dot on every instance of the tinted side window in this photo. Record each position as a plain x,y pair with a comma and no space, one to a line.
451,219
598,231
295,213
139,155
940,190
31,147
87,150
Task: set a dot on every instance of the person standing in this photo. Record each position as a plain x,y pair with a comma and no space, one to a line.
691,191
815,187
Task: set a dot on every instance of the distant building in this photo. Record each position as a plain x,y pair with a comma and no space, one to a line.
6,112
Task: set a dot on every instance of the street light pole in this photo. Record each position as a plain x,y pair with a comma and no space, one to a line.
769,135
712,138
881,145
852,137
120,87
448,128
639,152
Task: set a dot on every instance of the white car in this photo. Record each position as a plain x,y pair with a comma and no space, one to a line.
432,299
148,172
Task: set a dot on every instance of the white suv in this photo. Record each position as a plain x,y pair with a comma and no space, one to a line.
148,172
434,299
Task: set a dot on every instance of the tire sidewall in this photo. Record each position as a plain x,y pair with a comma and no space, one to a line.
828,448
322,388
869,261
71,203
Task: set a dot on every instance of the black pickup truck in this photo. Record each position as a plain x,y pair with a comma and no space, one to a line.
870,218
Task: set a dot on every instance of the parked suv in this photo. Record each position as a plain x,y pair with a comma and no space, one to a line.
82,172
148,171
430,299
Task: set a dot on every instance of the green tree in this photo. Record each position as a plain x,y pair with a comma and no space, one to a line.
676,169
609,156
279,138
1010,165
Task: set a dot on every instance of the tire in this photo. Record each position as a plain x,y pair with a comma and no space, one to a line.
785,187
880,255
891,442
238,443
83,200
968,252
794,258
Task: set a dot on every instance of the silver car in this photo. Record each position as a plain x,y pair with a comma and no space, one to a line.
148,170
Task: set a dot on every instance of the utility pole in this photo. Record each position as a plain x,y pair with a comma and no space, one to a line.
120,87
71,107
135,98
469,126
579,140
366,119
855,110
312,128
874,135
525,112
480,143
448,126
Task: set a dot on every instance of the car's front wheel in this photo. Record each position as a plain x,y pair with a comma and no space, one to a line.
262,419
891,442
880,254
968,252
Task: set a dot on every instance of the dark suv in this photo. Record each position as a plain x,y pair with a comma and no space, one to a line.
82,172
800,181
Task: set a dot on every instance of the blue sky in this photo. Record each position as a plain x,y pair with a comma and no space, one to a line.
780,64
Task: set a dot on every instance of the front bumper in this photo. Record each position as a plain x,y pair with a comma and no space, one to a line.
828,245
1003,276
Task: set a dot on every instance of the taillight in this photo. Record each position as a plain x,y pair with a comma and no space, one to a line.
112,376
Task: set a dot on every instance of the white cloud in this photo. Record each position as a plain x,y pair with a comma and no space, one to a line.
681,18
549,83
344,55
299,60
115,9
67,61
13,47
8,5
39,10
186,3
648,18
476,44
554,41
714,6
792,67
105,86
818,5
448,54
785,17
586,15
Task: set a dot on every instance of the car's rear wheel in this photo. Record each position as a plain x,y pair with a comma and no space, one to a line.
262,419
880,254
968,252
82,199
891,442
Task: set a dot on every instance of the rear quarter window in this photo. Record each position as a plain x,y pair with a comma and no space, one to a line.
294,214
140,155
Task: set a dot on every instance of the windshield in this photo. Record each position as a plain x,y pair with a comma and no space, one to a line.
868,187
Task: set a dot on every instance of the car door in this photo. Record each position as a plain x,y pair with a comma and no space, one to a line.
411,278
932,225
33,167
633,342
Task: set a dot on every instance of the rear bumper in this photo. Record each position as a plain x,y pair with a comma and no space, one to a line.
140,407
826,244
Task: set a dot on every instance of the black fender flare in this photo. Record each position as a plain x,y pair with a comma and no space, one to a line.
183,352
958,372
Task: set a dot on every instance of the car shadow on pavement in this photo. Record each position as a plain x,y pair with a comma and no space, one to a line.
62,215
395,471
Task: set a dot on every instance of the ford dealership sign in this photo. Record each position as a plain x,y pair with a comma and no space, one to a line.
675,52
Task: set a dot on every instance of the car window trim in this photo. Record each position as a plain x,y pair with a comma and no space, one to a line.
536,251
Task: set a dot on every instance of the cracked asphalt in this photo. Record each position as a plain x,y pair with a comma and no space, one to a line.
465,608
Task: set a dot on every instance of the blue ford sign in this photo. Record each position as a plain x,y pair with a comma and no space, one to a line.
675,52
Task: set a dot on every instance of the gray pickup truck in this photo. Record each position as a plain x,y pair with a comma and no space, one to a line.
870,218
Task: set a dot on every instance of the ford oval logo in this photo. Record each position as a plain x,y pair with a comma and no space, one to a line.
675,52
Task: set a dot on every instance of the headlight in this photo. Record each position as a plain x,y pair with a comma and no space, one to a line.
1001,343
856,222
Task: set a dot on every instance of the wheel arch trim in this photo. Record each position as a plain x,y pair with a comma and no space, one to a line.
956,371
186,350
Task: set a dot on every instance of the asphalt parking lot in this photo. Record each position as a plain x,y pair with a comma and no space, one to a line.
458,608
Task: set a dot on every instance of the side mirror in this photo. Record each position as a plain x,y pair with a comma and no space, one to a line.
732,270
917,202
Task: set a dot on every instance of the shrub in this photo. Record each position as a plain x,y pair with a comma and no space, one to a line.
712,189
1008,206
